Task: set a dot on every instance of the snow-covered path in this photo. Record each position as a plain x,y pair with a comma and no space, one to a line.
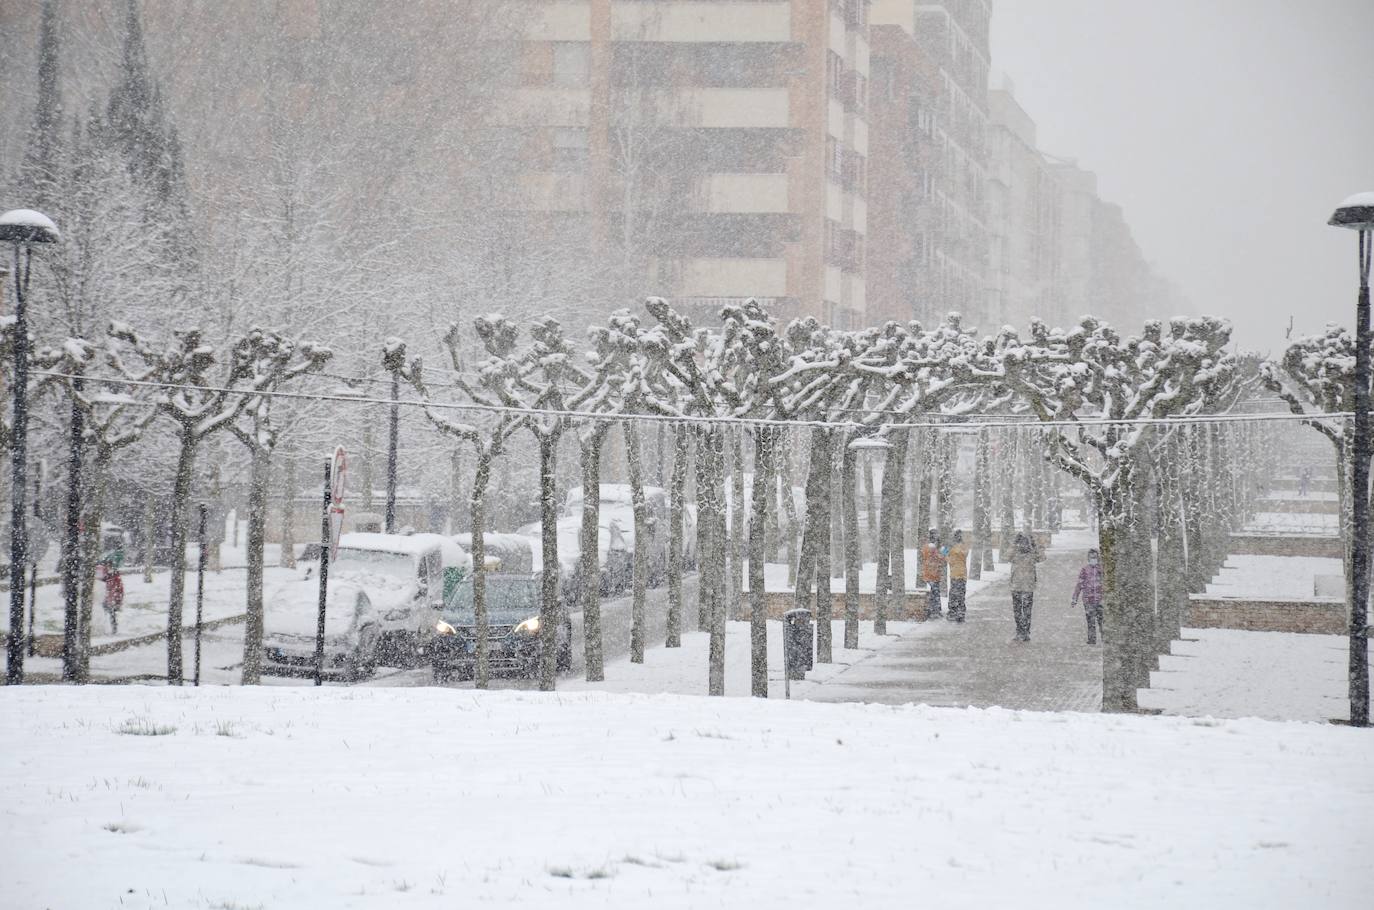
133,797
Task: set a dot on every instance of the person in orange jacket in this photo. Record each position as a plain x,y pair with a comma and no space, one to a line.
958,577
933,571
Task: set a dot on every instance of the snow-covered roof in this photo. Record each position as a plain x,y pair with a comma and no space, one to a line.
408,545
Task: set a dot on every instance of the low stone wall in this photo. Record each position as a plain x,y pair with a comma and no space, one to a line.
1285,545
1299,506
912,608
1316,616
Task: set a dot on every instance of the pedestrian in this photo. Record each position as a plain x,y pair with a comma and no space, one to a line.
933,571
1304,480
1089,587
108,572
1025,554
957,558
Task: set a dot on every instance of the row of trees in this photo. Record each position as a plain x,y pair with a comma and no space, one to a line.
1106,402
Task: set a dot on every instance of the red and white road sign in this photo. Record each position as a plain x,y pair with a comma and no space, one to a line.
336,475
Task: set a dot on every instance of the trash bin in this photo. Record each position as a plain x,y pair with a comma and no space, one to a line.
798,643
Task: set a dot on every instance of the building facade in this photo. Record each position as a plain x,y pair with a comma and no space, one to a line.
717,146
930,183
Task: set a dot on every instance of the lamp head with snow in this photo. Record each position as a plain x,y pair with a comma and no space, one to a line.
28,226
1356,213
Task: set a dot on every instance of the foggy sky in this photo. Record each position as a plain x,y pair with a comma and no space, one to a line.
1228,130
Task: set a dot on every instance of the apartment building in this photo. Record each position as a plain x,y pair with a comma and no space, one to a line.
719,147
929,172
1024,268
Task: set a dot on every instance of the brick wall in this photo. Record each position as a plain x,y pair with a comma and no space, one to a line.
1321,617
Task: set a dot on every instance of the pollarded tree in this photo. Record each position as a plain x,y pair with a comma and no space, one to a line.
706,366
1317,376
201,395
108,417
491,388
275,361
1102,386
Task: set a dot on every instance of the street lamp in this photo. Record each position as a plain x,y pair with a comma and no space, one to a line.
1357,213
23,228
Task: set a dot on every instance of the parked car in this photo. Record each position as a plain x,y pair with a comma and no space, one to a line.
385,595
514,643
613,555
509,554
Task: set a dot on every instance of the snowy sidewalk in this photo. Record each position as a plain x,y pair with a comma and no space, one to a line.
978,664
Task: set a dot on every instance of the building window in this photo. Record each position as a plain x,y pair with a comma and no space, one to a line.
569,150
571,63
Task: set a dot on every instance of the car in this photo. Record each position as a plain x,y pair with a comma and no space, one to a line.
385,593
514,644
613,555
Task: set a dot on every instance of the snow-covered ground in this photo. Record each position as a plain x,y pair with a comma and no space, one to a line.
1272,576
1296,523
1232,673
226,797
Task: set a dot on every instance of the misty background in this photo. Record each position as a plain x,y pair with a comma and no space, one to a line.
1228,130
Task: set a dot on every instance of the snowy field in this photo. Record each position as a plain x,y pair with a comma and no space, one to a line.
1232,673
1294,523
234,798
1290,577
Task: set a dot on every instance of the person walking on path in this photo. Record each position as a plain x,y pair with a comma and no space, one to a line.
933,571
108,571
1089,587
1025,554
958,578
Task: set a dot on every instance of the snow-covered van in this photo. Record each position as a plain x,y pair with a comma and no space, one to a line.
385,596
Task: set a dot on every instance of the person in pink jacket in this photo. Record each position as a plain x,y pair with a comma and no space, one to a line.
1089,587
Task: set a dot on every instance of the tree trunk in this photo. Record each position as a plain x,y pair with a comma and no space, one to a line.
912,537
477,511
589,591
1173,589
789,505
849,502
644,539
180,517
737,511
455,489
367,478
1007,459
705,558
677,491
259,478
148,538
549,609
714,582
871,507
823,452
764,453
1118,691
71,550
95,516
982,506
287,558
896,461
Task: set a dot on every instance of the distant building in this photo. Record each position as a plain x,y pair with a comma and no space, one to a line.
929,185
718,149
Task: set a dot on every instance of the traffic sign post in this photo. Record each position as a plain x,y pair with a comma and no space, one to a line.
331,526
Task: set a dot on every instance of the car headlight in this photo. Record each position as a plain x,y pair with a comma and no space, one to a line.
444,628
529,626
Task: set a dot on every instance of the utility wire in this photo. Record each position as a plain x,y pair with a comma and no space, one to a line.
946,421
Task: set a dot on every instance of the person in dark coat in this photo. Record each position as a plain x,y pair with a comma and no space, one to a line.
1025,554
1089,587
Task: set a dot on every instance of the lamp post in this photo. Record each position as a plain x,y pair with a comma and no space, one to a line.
1357,213
393,360
22,228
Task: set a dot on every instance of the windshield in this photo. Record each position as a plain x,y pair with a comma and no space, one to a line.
394,566
510,600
